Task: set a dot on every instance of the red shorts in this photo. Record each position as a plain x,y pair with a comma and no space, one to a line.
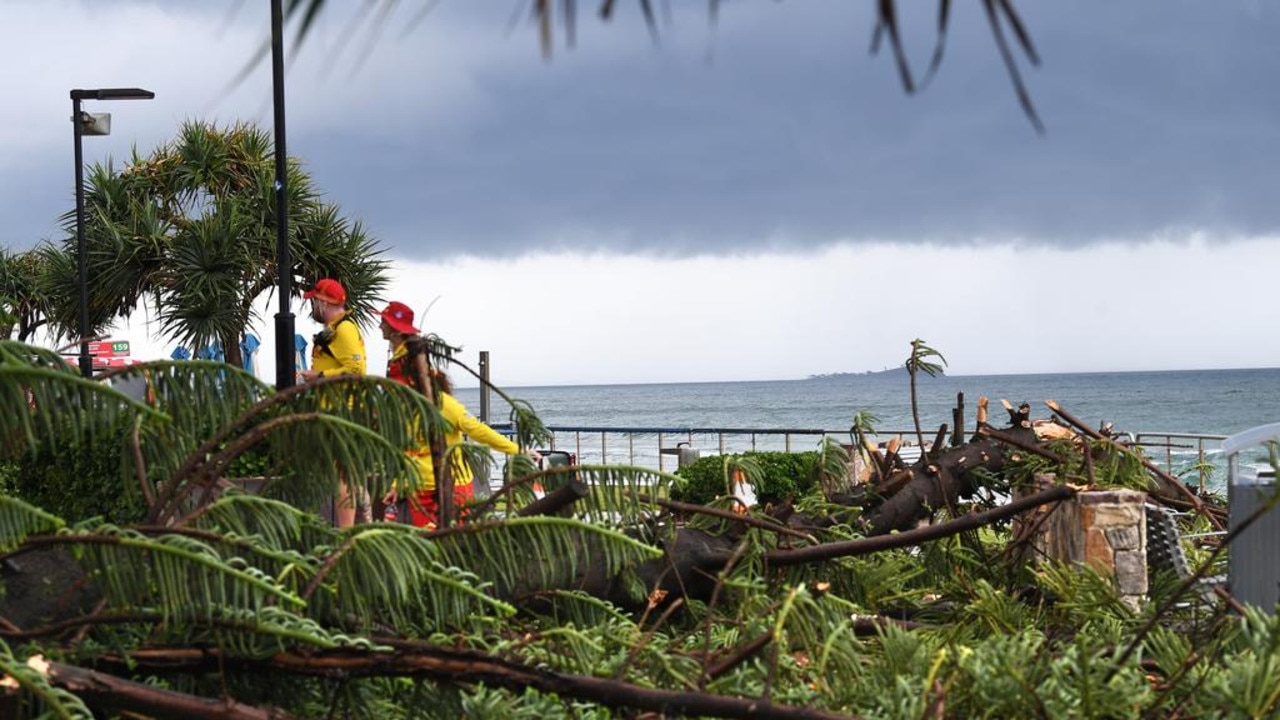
423,510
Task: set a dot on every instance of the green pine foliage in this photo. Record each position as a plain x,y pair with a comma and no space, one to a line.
225,596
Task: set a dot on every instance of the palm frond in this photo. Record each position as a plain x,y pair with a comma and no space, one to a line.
833,467
200,397
209,267
280,525
621,496
742,468
18,521
346,429
180,576
571,607
267,631
521,556
391,574
331,451
920,359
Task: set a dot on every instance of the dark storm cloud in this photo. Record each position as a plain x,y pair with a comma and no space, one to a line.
773,130
1158,121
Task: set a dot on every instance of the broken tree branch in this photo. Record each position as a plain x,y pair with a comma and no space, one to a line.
1166,478
849,548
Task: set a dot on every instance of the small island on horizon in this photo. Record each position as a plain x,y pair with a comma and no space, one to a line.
899,370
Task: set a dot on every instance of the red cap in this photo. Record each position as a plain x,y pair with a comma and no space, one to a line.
400,317
328,290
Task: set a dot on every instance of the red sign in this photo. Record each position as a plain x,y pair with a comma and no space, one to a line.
109,348
103,362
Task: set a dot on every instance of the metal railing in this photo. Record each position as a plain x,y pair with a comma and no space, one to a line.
1184,455
653,446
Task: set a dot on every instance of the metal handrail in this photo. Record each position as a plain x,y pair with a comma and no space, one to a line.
726,439
1169,441
658,441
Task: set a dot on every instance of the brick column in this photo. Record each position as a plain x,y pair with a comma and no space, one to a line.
1106,529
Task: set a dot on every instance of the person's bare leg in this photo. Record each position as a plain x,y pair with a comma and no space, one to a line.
345,513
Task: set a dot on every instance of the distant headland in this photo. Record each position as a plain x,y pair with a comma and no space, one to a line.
899,370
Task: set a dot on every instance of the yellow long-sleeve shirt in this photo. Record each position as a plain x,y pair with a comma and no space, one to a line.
345,350
461,422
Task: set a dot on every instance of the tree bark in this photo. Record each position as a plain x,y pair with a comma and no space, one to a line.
940,479
108,692
442,664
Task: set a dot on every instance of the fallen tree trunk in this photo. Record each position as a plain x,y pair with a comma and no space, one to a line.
111,694
693,559
940,479
848,548
410,658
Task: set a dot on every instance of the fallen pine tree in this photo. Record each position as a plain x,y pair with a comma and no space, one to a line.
224,604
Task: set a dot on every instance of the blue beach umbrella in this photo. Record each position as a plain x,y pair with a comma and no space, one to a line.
211,352
300,345
248,349
180,353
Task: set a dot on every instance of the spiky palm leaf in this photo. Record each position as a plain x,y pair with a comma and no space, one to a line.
24,293
207,271
920,361
833,467
190,227
331,246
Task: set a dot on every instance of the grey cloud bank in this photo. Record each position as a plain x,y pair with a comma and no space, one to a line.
791,136
772,130
754,200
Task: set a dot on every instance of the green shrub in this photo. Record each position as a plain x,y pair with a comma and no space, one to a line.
784,474
76,482
8,477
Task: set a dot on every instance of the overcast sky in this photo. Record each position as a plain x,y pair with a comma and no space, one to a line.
752,199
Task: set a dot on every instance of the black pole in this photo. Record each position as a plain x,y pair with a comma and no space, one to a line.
77,123
484,386
285,365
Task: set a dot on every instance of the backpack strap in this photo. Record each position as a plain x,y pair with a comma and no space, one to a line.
324,337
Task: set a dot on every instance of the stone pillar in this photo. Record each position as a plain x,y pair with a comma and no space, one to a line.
1105,529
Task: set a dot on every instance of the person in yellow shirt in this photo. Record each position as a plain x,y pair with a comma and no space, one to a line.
338,349
397,326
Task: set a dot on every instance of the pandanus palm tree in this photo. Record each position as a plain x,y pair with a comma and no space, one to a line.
24,293
190,230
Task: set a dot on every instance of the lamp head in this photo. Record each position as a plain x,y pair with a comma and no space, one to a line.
112,94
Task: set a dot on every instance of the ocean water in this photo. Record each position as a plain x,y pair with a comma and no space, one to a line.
1200,401
1203,402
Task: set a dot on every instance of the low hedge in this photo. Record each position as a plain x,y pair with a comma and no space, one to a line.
785,475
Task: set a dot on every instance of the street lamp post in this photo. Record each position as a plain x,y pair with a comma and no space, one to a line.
87,124
285,361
